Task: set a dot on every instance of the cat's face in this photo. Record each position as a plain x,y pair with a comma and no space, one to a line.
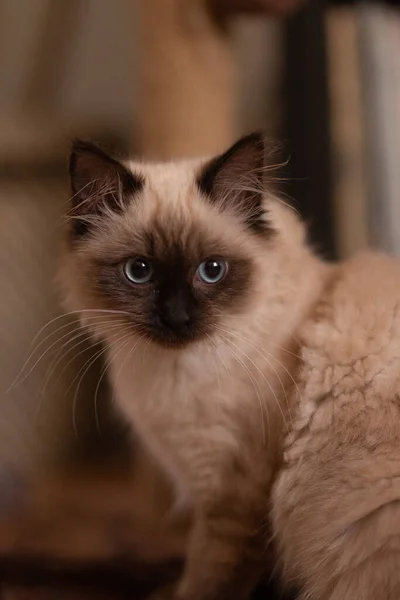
172,247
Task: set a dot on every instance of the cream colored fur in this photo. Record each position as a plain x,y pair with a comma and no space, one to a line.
337,500
309,367
212,413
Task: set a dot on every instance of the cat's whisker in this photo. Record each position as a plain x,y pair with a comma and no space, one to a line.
101,377
210,347
53,368
31,355
221,358
264,378
215,347
59,357
84,329
77,375
82,373
41,357
74,323
84,311
123,364
83,337
257,390
291,378
264,354
17,380
270,342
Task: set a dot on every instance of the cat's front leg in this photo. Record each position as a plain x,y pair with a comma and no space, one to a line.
226,556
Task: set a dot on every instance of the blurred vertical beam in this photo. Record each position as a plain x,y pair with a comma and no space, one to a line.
187,84
307,126
347,128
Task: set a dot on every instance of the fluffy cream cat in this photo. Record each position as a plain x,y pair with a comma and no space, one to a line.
228,340
337,500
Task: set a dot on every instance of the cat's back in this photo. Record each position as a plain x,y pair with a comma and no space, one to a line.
359,311
338,495
350,375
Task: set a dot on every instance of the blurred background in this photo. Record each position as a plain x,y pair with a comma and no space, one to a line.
160,79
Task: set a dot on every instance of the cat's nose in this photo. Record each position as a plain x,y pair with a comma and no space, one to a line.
175,315
175,319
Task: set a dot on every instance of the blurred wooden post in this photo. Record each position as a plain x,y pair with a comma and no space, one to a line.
187,85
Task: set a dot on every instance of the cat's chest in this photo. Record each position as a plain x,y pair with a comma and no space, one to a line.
184,410
184,413
153,390
200,396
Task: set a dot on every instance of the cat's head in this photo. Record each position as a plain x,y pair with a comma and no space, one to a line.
172,249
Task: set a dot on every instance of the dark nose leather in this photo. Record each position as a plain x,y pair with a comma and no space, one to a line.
174,314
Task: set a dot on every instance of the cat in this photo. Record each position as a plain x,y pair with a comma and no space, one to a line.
336,500
229,341
196,279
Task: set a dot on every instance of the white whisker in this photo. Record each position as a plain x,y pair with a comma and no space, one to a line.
264,354
83,371
270,342
122,365
264,378
259,394
101,377
83,338
63,316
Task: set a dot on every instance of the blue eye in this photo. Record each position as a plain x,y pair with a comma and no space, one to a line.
138,270
212,270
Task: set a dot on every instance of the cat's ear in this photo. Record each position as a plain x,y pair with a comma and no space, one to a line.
234,180
99,183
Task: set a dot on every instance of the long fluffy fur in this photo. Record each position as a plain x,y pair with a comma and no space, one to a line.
298,383
337,499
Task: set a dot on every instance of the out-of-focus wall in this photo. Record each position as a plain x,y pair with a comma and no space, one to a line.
74,65
95,77
63,71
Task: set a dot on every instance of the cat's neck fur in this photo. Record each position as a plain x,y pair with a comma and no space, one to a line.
204,370
223,395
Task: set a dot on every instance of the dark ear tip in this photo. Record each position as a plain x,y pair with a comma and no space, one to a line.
75,149
254,141
257,135
79,146
257,138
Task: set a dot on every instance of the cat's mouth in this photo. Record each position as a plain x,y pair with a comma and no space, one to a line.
177,332
174,339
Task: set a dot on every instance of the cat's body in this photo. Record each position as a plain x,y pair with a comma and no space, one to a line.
337,499
206,283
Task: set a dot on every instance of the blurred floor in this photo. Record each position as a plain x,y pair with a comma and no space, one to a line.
89,531
87,534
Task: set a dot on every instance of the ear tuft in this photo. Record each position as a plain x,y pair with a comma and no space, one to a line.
99,183
234,180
